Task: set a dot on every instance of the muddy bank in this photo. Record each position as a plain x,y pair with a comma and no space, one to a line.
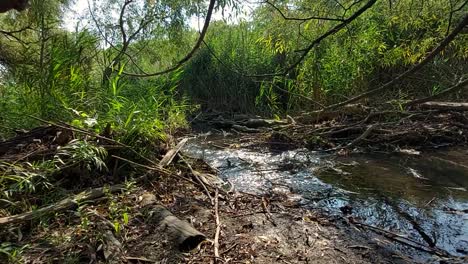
54,210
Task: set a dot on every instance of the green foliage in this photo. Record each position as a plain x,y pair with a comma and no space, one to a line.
81,152
215,76
373,49
11,252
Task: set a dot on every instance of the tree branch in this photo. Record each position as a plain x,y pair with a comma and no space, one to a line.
459,86
317,41
190,54
301,19
442,45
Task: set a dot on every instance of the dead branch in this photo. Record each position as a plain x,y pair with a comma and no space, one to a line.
61,205
195,174
85,132
218,227
167,159
156,168
457,87
447,106
442,45
357,140
404,240
362,137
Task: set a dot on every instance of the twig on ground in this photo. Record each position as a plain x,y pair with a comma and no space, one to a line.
218,228
195,174
158,169
267,212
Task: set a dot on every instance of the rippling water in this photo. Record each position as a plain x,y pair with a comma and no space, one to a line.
399,193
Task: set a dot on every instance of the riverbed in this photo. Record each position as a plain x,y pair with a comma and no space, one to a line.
418,195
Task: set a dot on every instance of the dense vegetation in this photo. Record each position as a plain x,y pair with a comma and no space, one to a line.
79,76
139,68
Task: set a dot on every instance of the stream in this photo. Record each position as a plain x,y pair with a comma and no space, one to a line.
421,196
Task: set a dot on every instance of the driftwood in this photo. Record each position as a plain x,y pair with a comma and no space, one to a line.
61,205
182,233
167,159
256,123
445,106
251,125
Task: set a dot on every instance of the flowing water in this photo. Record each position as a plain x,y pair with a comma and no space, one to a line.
423,196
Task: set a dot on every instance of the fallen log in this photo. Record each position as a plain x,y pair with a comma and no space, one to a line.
248,125
61,205
445,106
182,233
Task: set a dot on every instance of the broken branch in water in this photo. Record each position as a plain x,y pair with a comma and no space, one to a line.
358,139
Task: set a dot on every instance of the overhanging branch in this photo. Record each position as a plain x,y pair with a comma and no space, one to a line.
301,19
442,45
190,54
317,41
